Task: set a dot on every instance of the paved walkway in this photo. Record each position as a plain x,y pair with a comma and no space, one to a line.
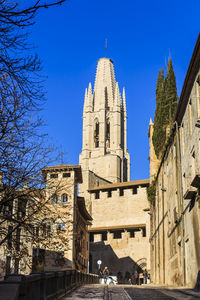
127,292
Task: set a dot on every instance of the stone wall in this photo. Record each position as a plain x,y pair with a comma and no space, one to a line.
120,230
175,239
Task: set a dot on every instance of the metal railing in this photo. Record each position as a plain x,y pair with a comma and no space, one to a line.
44,286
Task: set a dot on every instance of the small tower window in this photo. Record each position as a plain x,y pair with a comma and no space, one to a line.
121,192
97,195
66,175
109,193
96,135
134,190
53,175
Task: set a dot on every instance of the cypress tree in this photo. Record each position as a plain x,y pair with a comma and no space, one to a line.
171,97
159,134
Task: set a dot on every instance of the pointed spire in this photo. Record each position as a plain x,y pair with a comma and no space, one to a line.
85,100
150,122
90,95
105,79
89,88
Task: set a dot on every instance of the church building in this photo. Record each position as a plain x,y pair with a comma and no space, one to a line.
119,234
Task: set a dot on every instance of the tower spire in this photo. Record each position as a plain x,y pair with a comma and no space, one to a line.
105,47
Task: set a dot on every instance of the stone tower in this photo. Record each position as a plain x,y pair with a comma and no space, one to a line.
153,160
104,156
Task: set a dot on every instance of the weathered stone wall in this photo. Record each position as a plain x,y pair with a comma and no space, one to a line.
176,213
124,214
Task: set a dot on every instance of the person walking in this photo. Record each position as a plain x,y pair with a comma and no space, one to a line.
105,274
145,275
136,277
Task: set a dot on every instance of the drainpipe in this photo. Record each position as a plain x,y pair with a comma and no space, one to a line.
163,233
182,208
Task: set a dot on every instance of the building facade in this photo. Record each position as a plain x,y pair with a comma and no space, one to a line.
104,145
48,228
175,235
119,234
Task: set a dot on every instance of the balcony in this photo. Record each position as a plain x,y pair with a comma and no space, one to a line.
190,193
196,181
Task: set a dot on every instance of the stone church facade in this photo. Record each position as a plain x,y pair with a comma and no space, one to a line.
120,231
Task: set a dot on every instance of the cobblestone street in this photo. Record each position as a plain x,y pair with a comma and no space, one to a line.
104,292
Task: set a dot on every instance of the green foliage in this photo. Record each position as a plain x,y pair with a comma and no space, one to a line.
151,192
166,104
171,97
159,134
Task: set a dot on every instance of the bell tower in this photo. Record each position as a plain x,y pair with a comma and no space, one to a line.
104,145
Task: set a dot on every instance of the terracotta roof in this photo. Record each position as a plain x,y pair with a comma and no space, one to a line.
82,209
128,184
118,227
63,167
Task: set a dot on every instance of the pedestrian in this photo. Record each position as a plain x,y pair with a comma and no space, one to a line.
105,274
145,275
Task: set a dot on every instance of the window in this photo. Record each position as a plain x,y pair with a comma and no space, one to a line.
109,193
54,176
16,267
117,234
104,236
10,228
97,195
37,230
144,232
135,190
91,237
107,134
7,211
64,198
96,135
44,229
21,212
48,230
132,233
61,227
121,192
8,265
66,175
18,239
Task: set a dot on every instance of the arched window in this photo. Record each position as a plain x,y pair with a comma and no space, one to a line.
107,134
64,198
96,134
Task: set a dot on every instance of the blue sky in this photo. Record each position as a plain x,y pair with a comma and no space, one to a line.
141,36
